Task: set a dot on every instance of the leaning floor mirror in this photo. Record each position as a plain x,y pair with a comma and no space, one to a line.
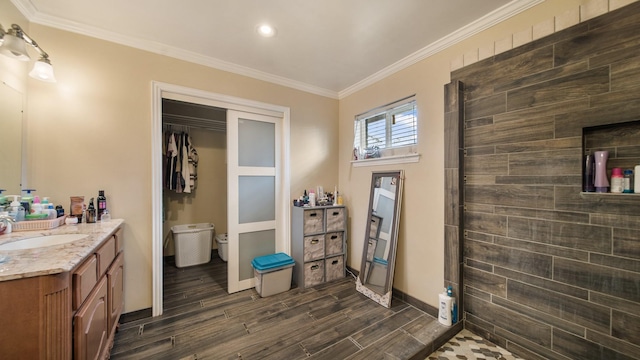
375,279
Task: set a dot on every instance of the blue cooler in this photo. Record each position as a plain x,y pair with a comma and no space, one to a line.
273,273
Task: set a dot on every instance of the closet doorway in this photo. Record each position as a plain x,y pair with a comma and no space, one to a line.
251,233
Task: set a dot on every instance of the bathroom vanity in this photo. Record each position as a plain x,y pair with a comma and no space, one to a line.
62,301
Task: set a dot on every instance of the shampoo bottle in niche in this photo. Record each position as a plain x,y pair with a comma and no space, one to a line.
444,308
617,180
601,182
589,174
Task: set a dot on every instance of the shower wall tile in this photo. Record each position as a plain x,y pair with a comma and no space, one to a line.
549,271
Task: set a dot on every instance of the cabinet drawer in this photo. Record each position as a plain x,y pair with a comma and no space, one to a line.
313,247
374,231
85,278
119,240
333,243
105,254
313,273
334,268
313,221
335,219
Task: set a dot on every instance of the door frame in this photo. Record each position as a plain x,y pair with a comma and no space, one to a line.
162,90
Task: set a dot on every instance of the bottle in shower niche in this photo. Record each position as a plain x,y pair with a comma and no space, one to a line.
589,174
102,203
617,180
601,182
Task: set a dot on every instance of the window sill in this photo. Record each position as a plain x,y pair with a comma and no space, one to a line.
387,160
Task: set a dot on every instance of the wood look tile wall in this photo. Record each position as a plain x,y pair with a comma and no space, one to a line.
548,271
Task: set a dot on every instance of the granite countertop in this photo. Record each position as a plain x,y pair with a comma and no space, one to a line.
53,259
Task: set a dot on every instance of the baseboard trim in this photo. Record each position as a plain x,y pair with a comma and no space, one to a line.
135,315
431,310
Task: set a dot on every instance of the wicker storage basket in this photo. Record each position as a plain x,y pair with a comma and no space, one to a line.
38,224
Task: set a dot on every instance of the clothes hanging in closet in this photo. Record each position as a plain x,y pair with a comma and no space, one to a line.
181,163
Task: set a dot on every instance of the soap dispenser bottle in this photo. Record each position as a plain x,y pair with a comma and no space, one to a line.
17,211
27,200
36,207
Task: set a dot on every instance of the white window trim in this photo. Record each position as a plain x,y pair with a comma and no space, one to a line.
394,155
387,160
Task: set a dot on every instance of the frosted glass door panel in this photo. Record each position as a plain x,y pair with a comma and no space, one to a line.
256,198
256,143
253,182
254,244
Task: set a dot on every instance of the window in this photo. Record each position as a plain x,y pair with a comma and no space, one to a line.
383,131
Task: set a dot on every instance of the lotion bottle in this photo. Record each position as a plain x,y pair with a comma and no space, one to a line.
444,311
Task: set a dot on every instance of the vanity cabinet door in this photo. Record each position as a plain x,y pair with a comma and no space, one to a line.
115,280
91,325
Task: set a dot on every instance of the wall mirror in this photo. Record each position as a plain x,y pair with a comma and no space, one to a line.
375,279
12,135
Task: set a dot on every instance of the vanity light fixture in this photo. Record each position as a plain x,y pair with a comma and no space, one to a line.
13,44
266,30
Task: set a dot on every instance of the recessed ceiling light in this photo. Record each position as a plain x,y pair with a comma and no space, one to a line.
266,30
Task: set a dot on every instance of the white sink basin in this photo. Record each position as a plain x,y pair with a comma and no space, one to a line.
42,241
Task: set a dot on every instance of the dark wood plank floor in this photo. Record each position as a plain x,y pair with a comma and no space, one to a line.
331,321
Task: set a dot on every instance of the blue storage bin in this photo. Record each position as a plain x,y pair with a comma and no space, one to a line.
272,273
272,262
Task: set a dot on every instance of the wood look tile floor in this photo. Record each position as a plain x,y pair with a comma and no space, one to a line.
330,321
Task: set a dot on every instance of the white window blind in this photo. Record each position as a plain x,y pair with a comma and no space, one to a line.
388,127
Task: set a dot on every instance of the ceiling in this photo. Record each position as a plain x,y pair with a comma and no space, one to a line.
328,47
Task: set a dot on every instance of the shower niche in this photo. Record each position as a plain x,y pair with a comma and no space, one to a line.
620,143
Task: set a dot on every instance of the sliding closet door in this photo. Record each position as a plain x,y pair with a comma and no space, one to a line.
252,171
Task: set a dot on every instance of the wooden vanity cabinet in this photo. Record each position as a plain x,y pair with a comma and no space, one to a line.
69,315
95,322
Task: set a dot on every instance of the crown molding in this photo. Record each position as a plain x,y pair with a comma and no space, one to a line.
32,15
501,14
513,8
